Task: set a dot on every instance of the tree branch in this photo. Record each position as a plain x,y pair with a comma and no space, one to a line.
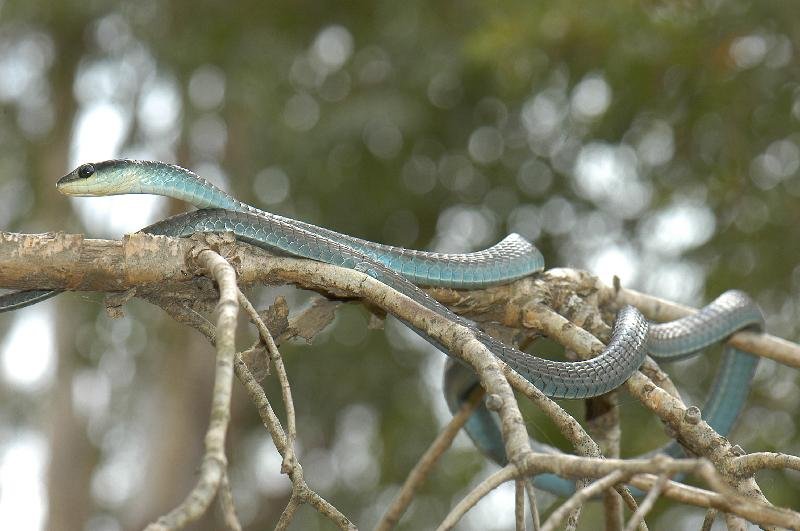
214,464
158,270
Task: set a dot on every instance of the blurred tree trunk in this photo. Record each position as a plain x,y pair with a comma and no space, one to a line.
177,424
72,456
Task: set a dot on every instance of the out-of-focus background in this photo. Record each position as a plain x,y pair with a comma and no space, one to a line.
656,143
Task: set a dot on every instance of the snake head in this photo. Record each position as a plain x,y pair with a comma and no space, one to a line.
96,178
110,177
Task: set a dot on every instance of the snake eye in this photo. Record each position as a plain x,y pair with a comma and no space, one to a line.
86,170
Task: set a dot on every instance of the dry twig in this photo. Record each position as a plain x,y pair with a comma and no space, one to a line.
226,502
213,466
286,389
428,460
749,464
519,505
580,497
532,502
637,519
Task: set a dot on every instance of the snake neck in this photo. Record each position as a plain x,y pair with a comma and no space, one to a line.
173,181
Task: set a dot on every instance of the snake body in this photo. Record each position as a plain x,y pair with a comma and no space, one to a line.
393,266
401,269
512,258
20,299
731,311
554,378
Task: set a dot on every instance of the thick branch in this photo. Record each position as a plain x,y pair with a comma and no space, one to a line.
70,261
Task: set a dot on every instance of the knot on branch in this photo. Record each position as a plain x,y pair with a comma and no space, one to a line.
114,303
692,415
494,402
223,243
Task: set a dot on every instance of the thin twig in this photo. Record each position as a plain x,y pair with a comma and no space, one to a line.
484,487
533,505
272,423
580,497
749,464
214,461
428,460
574,514
519,504
603,424
288,513
708,520
747,508
263,406
283,379
647,504
630,502
226,503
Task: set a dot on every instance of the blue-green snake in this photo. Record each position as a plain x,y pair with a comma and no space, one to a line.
731,311
402,269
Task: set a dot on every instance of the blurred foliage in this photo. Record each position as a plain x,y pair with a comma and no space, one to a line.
658,142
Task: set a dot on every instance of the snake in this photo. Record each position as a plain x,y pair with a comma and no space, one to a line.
732,311
220,211
403,269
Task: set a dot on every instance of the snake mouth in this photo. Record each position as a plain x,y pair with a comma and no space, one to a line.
65,180
68,185
74,185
